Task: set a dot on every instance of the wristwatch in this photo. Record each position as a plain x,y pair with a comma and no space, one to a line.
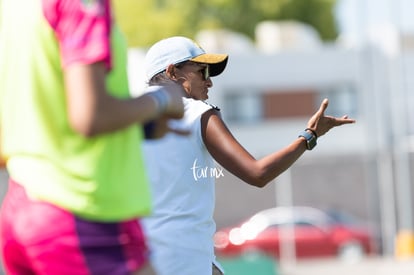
310,139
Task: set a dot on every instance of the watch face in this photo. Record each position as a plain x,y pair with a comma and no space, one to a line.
310,139
311,143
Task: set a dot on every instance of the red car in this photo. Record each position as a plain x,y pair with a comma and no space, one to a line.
313,232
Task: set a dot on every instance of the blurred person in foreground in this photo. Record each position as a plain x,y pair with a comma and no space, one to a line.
70,135
180,230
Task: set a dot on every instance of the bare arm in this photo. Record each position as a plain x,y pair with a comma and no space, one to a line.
229,153
93,111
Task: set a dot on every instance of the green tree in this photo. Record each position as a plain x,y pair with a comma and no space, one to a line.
146,21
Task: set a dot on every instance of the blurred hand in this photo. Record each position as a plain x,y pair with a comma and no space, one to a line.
158,128
321,124
175,107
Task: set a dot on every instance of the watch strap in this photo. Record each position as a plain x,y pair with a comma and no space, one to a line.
310,139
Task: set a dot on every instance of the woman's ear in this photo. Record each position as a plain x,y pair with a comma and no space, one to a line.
170,72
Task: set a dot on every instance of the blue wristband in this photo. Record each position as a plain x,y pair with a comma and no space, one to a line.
161,98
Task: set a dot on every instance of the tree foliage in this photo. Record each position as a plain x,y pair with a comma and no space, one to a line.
146,21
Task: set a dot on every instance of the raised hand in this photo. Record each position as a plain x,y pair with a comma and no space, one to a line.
321,124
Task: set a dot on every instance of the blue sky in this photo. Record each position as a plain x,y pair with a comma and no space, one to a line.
357,15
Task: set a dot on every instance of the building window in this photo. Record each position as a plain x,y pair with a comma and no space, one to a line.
243,107
342,100
250,107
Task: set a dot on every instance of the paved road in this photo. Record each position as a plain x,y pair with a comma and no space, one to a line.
370,266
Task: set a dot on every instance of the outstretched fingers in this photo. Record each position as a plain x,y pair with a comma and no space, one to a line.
320,113
337,121
345,120
322,108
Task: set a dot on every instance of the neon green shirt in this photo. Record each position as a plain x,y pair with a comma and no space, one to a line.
100,178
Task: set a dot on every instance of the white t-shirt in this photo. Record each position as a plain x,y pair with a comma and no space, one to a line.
182,175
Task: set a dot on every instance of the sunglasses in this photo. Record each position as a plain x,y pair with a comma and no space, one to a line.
205,70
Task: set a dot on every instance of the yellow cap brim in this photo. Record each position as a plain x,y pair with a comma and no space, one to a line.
217,62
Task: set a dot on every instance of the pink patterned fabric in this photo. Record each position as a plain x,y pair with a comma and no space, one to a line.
82,28
66,244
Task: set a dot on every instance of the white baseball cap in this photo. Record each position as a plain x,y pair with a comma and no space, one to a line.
178,49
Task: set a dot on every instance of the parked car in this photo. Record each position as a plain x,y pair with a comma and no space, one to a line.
314,233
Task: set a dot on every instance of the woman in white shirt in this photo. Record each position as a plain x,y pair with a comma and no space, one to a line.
181,167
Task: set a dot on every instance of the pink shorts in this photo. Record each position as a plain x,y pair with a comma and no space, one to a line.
40,238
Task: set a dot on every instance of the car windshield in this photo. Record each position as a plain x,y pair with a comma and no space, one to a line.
285,216
341,217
